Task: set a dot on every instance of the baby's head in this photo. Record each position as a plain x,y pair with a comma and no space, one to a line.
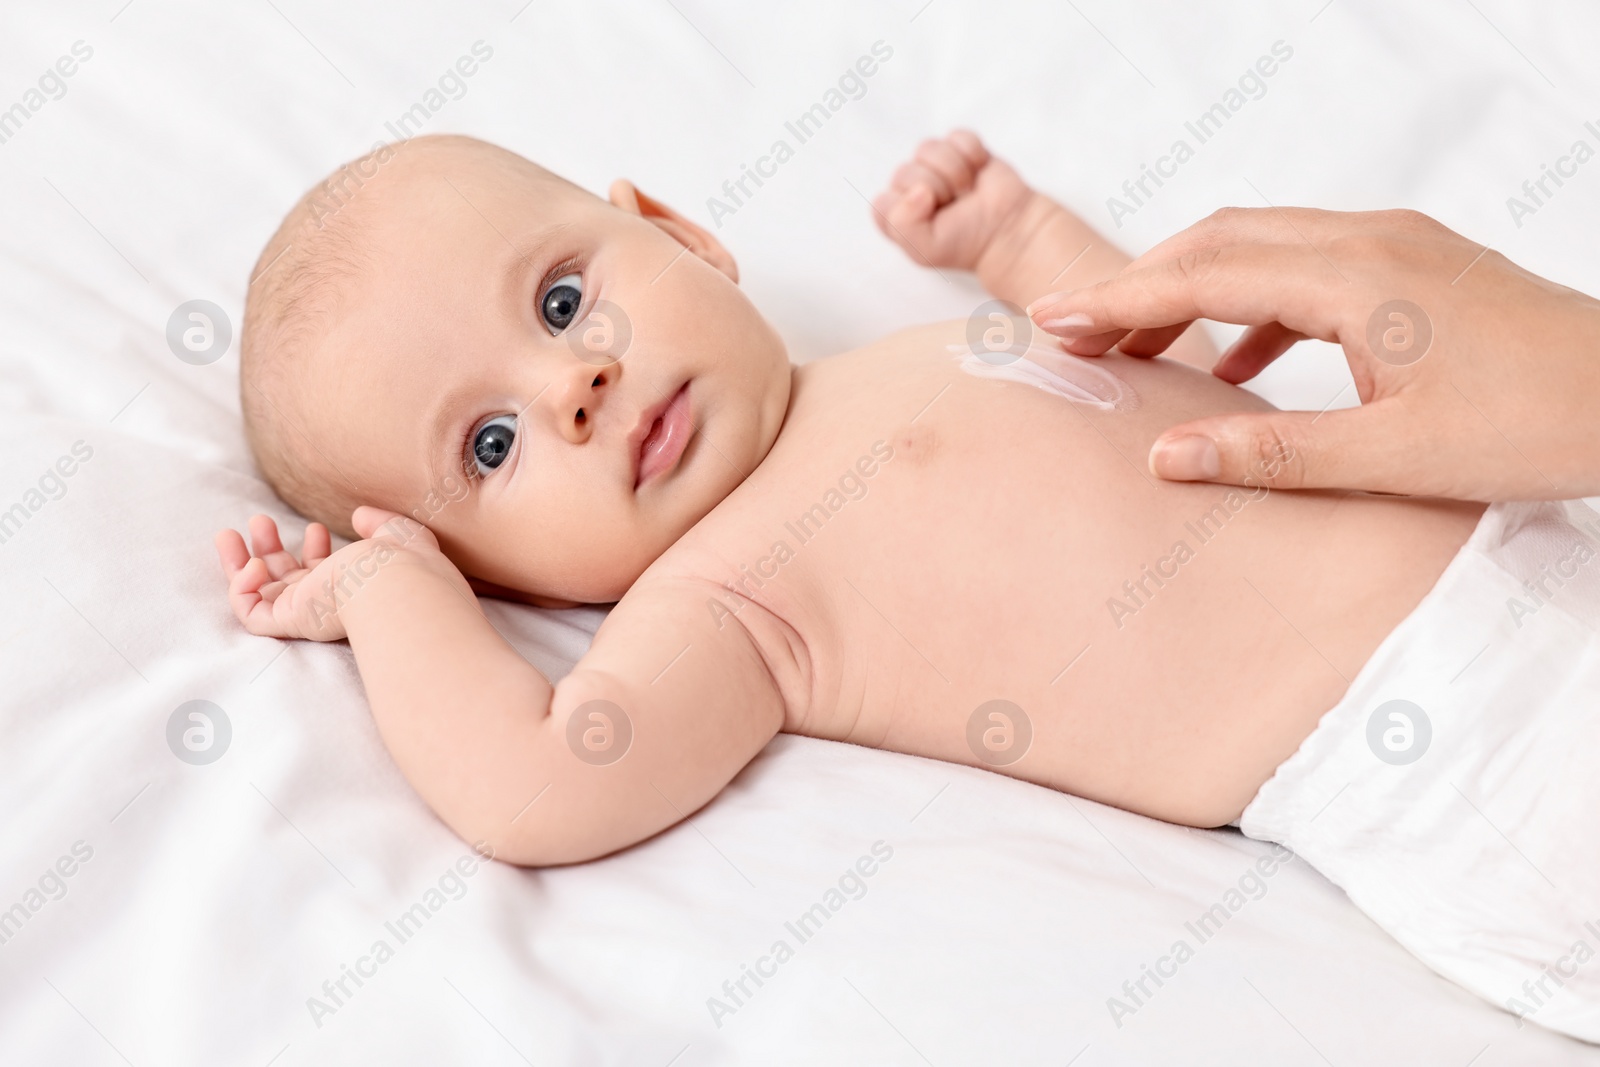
421,335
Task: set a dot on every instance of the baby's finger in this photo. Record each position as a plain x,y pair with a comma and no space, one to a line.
403,530
910,175
902,179
908,219
366,520
264,536
318,545
231,551
244,589
968,144
882,204
942,158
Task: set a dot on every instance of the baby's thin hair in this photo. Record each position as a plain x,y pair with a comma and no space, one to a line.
294,294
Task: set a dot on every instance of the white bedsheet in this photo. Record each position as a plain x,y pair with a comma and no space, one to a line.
217,899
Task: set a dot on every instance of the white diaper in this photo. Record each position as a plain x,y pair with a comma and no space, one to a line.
1482,855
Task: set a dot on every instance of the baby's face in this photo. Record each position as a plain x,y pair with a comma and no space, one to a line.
467,389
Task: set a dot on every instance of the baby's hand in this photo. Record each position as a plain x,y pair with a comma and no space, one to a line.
946,205
276,595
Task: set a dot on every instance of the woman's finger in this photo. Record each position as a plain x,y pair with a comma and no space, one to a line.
1097,344
1146,343
1252,225
1370,447
1255,351
1245,284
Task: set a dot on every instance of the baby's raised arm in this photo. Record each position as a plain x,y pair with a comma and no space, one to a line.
955,205
661,713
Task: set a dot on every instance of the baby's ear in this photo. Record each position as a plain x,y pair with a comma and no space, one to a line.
695,238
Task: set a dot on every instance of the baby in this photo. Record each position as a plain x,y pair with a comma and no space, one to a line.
945,543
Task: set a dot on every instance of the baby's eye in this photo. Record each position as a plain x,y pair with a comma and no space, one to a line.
492,443
560,304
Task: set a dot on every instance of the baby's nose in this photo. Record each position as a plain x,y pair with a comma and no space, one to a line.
576,398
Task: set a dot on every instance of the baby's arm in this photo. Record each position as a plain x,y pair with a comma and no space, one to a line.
483,736
955,205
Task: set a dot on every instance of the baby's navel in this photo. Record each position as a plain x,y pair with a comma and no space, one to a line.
1074,378
915,445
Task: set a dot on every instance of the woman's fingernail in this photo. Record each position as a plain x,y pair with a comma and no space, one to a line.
1188,458
1075,323
1046,300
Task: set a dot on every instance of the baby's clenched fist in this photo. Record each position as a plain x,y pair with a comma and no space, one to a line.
947,203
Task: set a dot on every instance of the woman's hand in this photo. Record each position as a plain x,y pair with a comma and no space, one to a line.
1477,379
276,595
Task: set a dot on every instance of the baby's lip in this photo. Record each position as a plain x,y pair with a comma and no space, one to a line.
653,455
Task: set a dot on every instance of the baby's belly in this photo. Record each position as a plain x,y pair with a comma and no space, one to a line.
1010,588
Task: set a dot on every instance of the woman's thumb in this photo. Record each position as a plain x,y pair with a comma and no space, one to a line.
1351,448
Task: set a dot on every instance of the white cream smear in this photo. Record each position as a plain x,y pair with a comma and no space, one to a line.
1075,378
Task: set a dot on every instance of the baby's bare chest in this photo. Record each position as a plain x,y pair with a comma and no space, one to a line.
933,538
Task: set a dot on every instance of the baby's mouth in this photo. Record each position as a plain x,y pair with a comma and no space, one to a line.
664,438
